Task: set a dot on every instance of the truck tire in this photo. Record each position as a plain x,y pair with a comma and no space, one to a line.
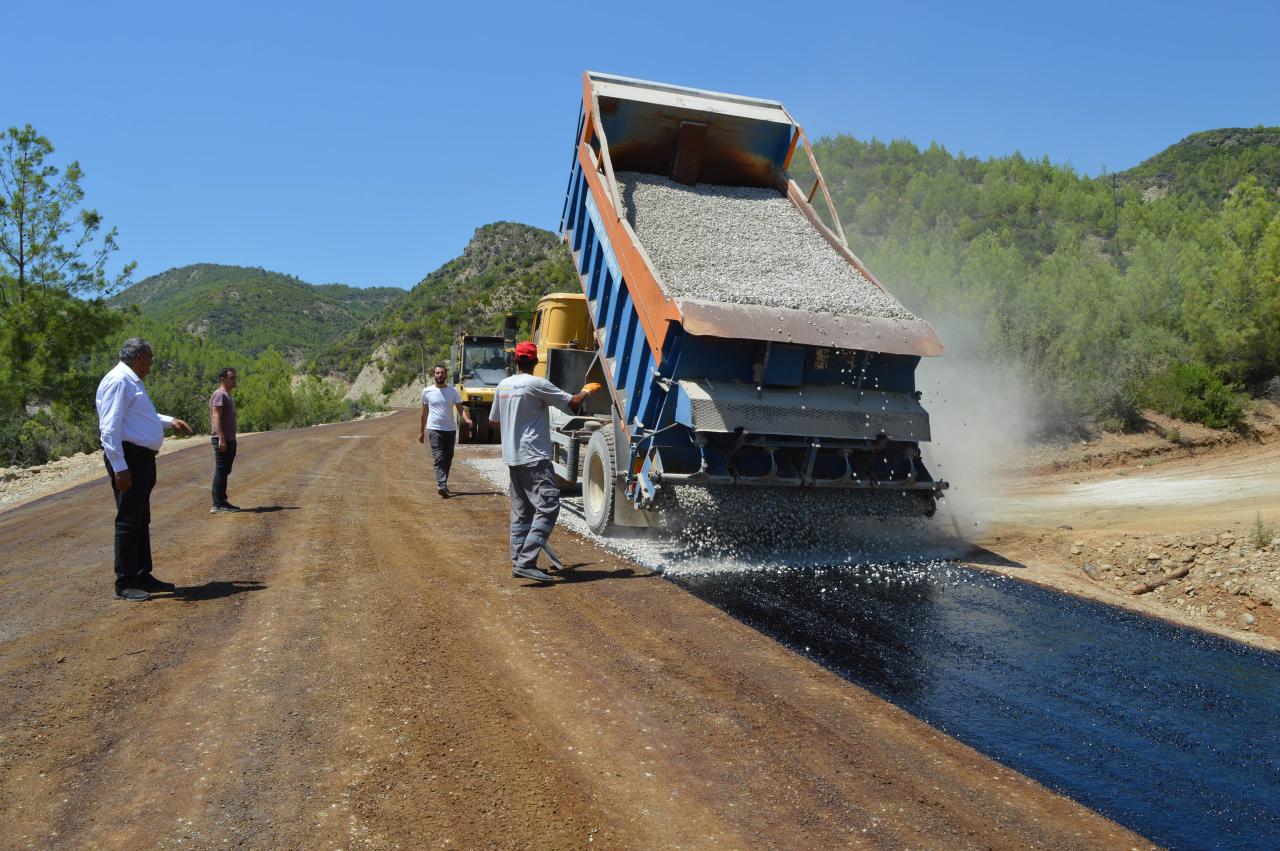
599,482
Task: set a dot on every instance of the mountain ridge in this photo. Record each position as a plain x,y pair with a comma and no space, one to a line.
248,308
506,266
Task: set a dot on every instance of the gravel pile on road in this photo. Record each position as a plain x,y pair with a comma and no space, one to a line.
744,245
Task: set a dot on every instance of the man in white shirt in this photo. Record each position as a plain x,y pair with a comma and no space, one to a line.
520,407
438,402
132,434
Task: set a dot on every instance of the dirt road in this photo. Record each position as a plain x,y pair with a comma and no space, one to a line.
352,665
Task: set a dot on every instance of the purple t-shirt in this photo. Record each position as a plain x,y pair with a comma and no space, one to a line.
222,399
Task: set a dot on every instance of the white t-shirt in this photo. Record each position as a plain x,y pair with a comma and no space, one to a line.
440,402
520,407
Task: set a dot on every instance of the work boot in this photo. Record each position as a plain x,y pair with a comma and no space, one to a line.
133,595
530,573
444,492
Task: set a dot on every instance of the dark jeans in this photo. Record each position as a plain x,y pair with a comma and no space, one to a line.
222,462
442,453
133,516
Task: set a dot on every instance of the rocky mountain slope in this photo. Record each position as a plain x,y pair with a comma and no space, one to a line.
1208,165
505,267
248,309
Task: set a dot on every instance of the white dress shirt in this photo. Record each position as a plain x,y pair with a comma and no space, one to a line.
125,413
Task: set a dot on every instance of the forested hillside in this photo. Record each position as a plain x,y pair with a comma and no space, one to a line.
1158,288
506,267
1155,287
248,309
63,318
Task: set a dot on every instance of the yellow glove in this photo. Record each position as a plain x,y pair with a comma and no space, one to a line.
592,387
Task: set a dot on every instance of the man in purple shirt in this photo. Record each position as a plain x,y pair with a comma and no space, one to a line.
222,419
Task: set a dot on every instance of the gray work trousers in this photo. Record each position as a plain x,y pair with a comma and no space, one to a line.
535,504
442,454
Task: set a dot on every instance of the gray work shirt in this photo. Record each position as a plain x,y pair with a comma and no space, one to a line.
520,407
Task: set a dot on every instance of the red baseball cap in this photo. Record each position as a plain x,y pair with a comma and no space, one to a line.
526,351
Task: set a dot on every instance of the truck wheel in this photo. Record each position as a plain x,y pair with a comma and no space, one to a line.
599,482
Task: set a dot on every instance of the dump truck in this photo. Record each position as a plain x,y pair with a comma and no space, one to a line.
743,345
479,363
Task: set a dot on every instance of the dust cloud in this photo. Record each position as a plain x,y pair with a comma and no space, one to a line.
979,412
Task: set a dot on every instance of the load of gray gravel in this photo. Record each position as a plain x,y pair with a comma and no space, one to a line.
744,245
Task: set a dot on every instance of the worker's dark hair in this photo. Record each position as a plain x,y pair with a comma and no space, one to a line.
134,348
439,366
225,371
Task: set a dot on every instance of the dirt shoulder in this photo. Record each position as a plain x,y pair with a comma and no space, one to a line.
20,485
351,664
1181,532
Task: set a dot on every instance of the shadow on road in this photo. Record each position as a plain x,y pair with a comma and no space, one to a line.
572,573
267,509
986,558
214,590
456,494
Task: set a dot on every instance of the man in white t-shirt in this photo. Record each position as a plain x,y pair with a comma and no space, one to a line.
437,424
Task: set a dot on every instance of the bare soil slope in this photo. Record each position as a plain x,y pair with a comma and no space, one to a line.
351,665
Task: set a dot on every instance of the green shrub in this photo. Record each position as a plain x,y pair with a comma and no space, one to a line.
1261,535
46,435
1195,393
315,402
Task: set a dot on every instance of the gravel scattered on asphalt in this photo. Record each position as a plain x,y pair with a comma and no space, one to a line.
784,530
744,245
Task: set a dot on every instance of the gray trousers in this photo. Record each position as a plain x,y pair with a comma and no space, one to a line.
442,454
535,504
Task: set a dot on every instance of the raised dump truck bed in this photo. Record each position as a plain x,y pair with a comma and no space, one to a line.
742,342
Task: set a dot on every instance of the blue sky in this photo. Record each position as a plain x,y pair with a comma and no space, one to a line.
364,143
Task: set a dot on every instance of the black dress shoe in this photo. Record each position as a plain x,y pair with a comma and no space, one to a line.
147,582
133,595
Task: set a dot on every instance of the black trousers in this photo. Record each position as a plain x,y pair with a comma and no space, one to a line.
442,453
222,462
133,515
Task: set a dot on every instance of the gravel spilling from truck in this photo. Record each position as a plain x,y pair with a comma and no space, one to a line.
717,529
744,245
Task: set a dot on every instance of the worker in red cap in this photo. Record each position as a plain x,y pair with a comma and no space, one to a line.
520,409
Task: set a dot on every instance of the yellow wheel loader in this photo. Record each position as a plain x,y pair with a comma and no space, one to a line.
478,363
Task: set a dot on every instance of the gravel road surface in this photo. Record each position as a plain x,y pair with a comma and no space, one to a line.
352,665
